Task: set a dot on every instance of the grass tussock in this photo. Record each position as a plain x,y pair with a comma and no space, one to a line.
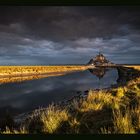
53,118
97,100
108,111
123,123
14,131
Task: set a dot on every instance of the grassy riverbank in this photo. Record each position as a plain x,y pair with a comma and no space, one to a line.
111,111
17,79
28,70
9,74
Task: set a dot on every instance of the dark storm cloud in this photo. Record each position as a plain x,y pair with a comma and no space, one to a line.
45,34
70,22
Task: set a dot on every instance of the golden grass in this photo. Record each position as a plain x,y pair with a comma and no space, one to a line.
51,121
27,78
14,131
24,70
96,100
9,74
137,67
123,123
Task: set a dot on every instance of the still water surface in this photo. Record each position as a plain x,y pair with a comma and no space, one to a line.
16,98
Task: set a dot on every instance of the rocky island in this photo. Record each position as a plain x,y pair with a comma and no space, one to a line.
100,60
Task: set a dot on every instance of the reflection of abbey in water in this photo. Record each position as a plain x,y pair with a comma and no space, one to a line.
100,60
124,74
99,72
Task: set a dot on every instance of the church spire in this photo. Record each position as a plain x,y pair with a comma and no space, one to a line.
100,51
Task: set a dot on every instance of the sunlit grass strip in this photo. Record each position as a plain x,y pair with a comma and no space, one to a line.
14,79
20,70
137,67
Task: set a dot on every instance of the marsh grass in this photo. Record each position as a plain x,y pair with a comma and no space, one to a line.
11,74
23,70
123,123
14,131
53,118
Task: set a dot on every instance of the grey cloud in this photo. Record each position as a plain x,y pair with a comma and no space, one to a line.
51,34
70,22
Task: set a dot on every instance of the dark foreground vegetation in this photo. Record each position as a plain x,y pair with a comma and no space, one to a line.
106,111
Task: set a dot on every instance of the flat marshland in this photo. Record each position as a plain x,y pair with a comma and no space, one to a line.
9,74
27,70
103,111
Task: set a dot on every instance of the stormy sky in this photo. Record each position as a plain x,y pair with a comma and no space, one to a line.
42,35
